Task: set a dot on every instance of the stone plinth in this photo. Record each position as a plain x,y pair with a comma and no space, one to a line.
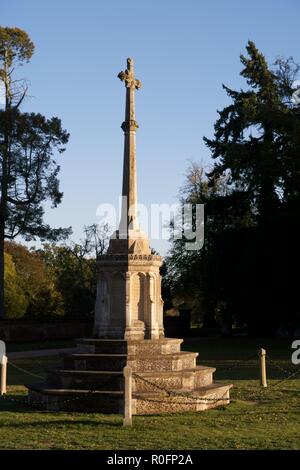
92,379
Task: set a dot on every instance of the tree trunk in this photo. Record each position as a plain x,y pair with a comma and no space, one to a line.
3,194
2,307
3,214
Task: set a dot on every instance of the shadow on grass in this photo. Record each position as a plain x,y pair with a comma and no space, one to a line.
14,407
29,370
65,422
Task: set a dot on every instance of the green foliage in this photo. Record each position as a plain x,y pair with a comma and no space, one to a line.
257,138
74,276
32,173
190,274
55,280
16,46
72,269
34,282
252,208
16,302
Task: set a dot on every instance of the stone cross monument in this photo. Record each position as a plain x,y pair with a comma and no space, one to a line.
129,303
128,329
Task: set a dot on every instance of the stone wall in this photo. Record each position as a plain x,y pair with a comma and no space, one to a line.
34,330
31,330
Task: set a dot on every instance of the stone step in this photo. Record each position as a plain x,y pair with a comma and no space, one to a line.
189,379
56,399
101,346
119,346
114,380
138,363
85,380
203,398
96,362
171,362
159,346
111,401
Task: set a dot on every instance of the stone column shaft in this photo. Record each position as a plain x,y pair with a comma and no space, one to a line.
129,188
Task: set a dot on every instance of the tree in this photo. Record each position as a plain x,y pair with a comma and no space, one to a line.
74,276
43,300
191,276
257,144
244,274
28,170
73,268
257,136
96,239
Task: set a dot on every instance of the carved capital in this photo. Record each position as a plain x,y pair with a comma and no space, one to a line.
129,126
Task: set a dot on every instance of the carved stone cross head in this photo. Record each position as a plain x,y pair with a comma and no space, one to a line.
128,76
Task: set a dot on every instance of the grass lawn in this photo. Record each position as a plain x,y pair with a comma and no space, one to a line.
256,419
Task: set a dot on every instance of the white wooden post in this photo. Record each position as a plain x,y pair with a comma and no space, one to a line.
3,362
3,366
127,420
262,366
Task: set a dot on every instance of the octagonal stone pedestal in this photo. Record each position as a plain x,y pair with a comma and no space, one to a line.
129,304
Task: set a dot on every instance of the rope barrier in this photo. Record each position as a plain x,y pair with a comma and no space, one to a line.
274,364
31,403
198,401
294,374
237,364
181,396
173,393
24,370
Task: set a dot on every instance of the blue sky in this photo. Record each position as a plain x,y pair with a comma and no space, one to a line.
183,51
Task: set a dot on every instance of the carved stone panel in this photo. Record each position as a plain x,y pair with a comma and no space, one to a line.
118,298
138,299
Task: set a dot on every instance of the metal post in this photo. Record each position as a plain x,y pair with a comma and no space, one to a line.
127,421
3,362
262,366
